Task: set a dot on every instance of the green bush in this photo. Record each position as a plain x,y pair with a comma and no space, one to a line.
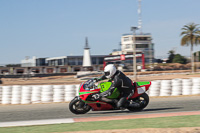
179,59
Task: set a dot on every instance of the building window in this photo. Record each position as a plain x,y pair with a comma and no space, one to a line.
139,60
126,38
51,62
128,46
94,61
40,62
146,53
80,61
141,38
142,45
128,61
65,61
101,59
71,62
60,62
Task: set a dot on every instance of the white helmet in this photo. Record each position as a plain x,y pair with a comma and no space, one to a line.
109,70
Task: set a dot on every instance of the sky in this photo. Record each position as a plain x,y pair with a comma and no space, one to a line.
53,28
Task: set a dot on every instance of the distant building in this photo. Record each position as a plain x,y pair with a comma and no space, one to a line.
124,55
74,63
57,61
77,63
143,45
61,64
32,62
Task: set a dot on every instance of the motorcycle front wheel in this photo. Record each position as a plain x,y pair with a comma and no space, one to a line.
142,101
77,106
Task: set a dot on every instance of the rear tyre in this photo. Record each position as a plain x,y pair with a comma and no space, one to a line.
142,101
77,106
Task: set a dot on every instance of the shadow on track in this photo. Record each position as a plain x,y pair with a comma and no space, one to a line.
126,111
159,109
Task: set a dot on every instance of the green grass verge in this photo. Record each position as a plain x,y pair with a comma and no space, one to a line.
162,122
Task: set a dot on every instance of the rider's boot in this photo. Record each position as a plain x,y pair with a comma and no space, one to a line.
114,103
126,104
122,108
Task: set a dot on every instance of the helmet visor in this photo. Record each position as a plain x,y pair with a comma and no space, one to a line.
107,73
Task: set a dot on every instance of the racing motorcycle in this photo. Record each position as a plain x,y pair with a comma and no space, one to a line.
85,101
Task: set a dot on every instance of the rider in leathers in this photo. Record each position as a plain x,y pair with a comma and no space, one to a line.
120,81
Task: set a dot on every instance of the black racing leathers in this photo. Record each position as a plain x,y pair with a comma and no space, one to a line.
123,84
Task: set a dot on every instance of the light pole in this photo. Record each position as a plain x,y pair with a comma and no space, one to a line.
150,53
197,60
134,53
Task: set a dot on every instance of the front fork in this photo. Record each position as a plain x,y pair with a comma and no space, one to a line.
81,102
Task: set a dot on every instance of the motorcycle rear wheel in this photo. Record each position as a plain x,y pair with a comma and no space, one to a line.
77,106
142,100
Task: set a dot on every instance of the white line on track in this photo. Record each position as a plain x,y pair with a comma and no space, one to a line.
69,120
36,122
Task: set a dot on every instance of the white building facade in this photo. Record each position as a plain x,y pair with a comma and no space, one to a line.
32,62
143,44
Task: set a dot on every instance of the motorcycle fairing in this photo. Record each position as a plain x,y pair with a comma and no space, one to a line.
141,87
100,106
105,86
141,83
83,94
97,105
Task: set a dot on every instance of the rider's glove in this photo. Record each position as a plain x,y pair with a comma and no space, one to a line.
96,96
96,79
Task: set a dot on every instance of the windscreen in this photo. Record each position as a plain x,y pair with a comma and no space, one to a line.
87,85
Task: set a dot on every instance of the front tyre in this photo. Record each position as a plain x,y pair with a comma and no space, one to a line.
142,101
77,106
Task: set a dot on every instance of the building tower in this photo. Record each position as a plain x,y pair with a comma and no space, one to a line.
142,41
86,57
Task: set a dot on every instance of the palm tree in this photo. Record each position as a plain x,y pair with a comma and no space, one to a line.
191,36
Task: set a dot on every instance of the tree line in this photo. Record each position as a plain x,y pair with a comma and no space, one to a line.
190,37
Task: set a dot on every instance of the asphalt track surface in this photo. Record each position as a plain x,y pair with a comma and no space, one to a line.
10,113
